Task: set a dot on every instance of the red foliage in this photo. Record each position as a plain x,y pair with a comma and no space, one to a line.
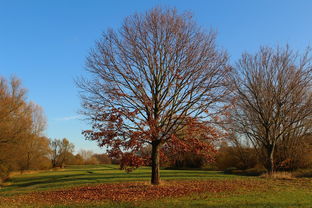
126,144
196,137
130,161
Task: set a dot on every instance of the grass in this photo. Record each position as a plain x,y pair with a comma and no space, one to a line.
271,193
95,174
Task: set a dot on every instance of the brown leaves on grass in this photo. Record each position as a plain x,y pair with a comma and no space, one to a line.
130,192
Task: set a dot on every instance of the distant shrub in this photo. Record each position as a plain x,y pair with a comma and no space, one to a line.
4,173
240,157
237,172
278,175
230,170
103,158
91,161
255,171
115,161
188,160
303,173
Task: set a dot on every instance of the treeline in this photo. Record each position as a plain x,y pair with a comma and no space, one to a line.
237,157
62,153
22,143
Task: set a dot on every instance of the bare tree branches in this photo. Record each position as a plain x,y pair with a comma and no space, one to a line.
157,70
273,98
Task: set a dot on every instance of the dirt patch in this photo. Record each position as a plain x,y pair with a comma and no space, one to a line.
130,192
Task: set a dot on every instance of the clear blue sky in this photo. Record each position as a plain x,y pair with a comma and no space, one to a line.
45,43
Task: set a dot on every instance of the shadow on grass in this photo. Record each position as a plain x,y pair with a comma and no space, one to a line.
74,175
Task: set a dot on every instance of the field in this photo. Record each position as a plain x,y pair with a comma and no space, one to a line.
107,186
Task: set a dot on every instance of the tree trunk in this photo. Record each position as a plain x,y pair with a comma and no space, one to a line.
271,168
155,180
28,161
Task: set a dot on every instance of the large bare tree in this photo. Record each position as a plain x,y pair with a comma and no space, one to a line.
273,99
148,78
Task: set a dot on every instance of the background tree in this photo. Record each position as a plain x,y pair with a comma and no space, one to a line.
13,111
34,147
103,158
54,146
15,123
22,145
78,160
237,156
88,157
61,151
272,99
148,77
66,148
85,154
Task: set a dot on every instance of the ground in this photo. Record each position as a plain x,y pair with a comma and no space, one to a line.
107,186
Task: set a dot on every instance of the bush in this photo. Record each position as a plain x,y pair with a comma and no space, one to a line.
239,157
278,175
4,173
255,171
238,172
303,173
103,158
188,160
115,161
230,170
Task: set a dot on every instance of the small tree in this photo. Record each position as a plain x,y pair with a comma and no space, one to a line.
156,71
103,158
60,152
273,99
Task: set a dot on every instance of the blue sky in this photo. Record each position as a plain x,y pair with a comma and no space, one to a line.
45,43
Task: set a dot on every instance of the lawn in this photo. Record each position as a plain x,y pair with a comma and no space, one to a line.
107,186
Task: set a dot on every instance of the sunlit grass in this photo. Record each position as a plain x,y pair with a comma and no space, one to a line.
86,175
273,193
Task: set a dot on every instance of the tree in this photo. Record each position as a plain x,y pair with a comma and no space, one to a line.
78,160
22,145
88,157
33,153
15,123
272,99
13,110
66,148
34,146
61,150
54,146
103,158
85,154
236,156
148,77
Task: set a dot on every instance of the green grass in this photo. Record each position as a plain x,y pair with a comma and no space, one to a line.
277,198
94,174
274,194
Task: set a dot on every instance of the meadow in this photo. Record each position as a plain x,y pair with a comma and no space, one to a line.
107,186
